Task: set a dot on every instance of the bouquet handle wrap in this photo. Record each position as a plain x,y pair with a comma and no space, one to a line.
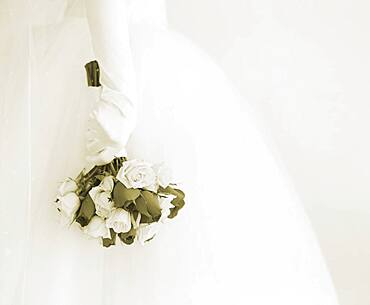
114,117
93,74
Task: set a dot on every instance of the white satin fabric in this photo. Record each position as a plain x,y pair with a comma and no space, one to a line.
242,238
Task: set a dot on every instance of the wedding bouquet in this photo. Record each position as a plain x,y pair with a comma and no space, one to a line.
116,198
124,199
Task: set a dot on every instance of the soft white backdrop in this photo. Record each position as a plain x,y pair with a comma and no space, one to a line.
305,66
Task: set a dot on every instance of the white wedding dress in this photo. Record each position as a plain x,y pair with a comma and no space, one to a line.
242,238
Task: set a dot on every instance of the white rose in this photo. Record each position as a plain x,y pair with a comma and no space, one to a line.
146,231
97,228
119,221
164,175
165,205
68,186
102,200
68,206
137,174
107,184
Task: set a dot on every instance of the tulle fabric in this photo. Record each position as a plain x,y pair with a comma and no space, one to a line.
14,146
242,237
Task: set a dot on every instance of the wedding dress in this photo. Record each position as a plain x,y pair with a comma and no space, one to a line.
242,238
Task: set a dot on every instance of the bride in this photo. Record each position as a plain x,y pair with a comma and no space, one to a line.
242,237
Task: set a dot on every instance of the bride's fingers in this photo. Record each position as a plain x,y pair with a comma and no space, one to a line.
95,146
91,134
103,157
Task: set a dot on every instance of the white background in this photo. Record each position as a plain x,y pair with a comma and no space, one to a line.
304,65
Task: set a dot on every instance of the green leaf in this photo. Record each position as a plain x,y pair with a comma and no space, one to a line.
145,219
171,191
129,206
121,194
86,211
180,193
128,237
107,242
142,207
178,201
174,211
152,204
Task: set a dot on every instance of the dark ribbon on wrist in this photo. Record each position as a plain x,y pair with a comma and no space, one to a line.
93,74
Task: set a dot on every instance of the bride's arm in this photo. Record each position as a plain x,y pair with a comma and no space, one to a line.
115,115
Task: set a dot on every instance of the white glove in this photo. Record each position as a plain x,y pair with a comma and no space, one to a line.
114,117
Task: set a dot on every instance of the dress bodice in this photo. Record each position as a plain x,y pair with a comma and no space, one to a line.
148,11
46,12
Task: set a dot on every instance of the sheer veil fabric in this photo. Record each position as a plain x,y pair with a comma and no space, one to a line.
243,237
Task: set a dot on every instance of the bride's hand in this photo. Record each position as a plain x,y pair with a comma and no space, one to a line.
109,128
